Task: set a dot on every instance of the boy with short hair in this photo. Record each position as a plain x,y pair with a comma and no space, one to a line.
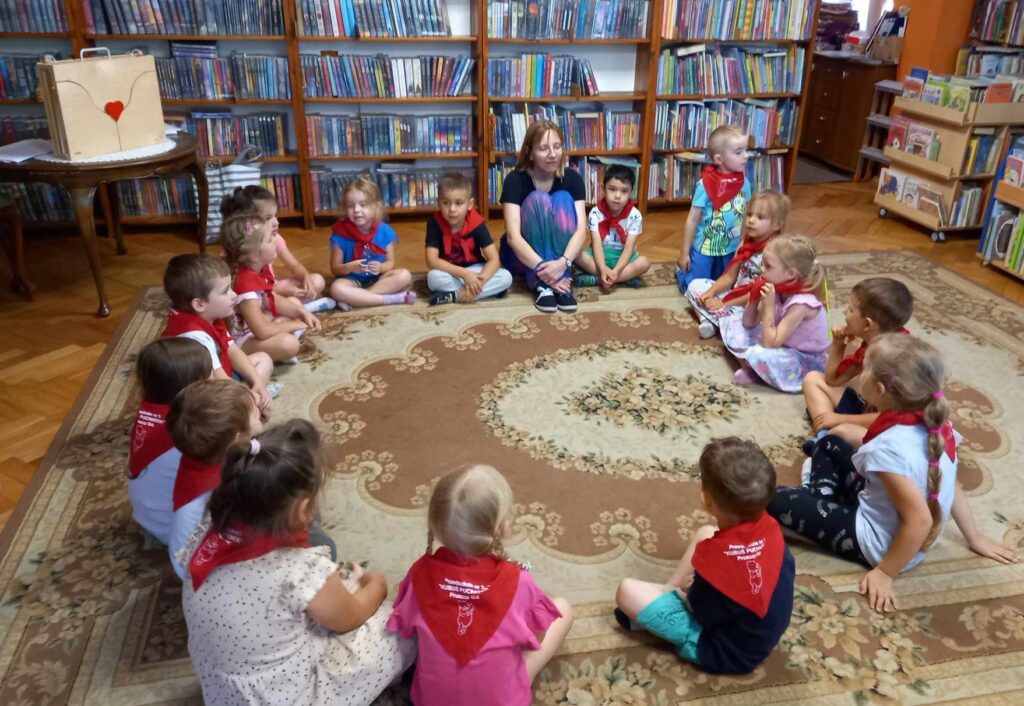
730,599
199,287
713,227
615,223
877,305
462,257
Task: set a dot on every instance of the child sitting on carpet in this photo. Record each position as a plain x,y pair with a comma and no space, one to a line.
164,367
303,285
485,629
615,223
264,322
730,598
363,252
877,305
783,331
711,299
199,287
270,618
712,230
461,256
204,420
885,504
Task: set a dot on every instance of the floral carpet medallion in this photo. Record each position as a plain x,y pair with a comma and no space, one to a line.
597,419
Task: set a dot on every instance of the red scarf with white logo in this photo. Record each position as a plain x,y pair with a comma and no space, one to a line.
460,248
612,221
891,417
790,286
249,280
179,322
194,478
463,599
744,562
721,188
856,359
747,250
150,438
349,230
235,545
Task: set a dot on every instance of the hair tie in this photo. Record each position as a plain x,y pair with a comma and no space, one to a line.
248,232
936,430
933,464
938,395
254,447
933,497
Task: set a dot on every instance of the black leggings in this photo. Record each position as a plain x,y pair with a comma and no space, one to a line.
825,510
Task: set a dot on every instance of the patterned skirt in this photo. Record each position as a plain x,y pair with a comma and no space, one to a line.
782,368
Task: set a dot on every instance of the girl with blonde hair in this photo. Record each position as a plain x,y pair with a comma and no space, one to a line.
885,504
782,333
485,629
545,227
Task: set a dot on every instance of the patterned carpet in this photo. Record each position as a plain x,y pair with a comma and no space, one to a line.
597,419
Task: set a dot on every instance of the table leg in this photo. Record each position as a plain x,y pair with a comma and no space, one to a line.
203,187
83,198
115,217
15,246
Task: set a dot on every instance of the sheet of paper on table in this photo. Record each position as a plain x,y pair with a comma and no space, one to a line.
24,150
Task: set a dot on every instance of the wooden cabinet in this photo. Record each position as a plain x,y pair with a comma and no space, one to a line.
839,101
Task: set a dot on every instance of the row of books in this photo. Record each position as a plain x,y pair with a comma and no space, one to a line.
33,16
241,76
998,21
206,17
565,19
1003,239
982,152
985,61
401,186
737,19
16,127
373,18
686,125
388,134
18,77
380,76
907,135
539,75
156,196
40,202
223,134
913,192
583,129
697,69
967,209
958,92
675,176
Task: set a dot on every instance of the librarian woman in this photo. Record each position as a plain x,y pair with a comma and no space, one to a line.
544,223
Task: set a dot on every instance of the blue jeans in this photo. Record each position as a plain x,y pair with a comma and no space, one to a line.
702,267
547,222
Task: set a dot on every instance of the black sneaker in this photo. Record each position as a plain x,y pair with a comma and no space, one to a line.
623,620
566,301
502,294
546,301
443,298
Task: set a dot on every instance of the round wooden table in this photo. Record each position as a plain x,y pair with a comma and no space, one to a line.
81,179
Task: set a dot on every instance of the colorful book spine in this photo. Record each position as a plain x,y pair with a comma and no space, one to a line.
686,125
250,18
540,75
600,129
675,177
330,135
32,16
40,202
731,69
227,135
15,128
565,19
380,76
738,19
18,79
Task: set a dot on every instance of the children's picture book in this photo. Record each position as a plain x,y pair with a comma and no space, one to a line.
912,88
936,91
1014,170
931,204
999,92
1006,226
897,137
959,95
910,194
922,141
890,183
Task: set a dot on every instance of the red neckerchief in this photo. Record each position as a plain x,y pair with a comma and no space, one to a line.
194,478
249,280
612,221
891,417
179,322
747,250
721,188
790,286
856,359
743,562
465,253
463,599
235,545
150,438
347,229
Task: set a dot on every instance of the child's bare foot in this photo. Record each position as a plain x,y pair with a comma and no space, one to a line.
744,376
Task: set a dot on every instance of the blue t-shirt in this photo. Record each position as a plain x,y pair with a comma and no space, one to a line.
733,640
718,232
384,236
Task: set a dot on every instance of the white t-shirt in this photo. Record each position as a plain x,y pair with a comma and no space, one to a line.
150,493
208,343
902,450
184,522
634,224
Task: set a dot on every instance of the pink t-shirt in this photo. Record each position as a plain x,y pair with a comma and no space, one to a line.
811,335
279,247
497,675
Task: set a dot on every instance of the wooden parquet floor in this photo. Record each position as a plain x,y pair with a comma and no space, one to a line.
48,347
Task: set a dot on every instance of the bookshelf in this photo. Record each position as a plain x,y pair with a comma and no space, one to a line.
626,69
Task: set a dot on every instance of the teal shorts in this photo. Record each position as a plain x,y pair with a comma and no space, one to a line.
669,618
612,255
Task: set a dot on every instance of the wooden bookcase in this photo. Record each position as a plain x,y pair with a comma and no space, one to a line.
640,55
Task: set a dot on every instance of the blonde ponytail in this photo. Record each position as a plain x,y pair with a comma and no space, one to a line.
936,414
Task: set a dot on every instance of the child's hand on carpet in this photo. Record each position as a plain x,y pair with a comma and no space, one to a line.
985,546
877,586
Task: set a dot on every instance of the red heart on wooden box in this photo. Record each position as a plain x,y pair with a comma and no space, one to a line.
114,109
